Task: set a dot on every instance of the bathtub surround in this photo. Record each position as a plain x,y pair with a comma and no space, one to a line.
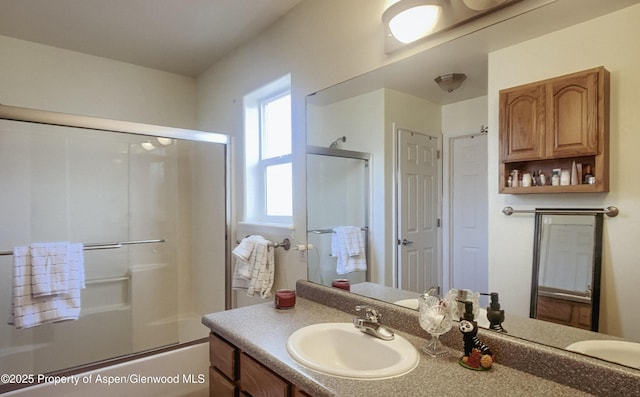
181,372
114,184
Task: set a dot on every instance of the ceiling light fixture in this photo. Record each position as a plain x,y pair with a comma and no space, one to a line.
410,20
451,81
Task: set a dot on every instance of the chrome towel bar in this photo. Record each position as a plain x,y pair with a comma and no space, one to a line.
102,246
610,211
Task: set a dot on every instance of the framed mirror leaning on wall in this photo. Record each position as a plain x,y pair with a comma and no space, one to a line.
567,258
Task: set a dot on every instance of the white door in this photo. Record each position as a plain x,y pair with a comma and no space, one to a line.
418,211
469,254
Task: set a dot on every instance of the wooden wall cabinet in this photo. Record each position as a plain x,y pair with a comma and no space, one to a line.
552,123
233,373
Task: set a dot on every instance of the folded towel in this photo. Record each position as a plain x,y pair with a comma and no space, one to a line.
347,245
49,268
245,259
245,248
28,310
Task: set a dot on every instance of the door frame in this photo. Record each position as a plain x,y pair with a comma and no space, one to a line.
396,205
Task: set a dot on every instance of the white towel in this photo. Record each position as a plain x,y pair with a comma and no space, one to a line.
254,267
29,311
244,261
263,271
49,268
347,245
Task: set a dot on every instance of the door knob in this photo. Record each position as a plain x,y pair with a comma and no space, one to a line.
406,242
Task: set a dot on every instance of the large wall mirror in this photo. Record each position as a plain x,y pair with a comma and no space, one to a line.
367,110
567,258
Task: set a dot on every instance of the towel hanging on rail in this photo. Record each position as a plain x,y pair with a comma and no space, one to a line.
29,310
347,245
254,269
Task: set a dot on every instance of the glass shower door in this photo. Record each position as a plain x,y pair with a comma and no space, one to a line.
337,195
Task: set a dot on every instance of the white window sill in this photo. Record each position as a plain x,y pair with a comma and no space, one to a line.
266,228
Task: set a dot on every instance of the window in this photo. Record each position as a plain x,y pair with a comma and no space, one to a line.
268,167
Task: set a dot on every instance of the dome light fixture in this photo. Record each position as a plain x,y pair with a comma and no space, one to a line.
451,81
410,20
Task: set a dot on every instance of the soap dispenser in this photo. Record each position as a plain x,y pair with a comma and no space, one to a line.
494,314
477,355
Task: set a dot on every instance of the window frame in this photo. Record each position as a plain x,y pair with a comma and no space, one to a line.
255,165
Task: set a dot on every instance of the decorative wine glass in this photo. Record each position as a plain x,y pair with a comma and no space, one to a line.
435,318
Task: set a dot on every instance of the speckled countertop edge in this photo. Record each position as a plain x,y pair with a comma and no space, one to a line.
564,367
523,368
261,331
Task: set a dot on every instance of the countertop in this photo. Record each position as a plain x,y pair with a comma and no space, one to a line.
261,331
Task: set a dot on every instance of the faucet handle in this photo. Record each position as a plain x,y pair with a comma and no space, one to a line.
370,313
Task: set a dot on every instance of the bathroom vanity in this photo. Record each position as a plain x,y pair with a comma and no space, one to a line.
249,353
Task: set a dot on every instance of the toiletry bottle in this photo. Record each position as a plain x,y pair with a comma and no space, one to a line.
565,178
587,173
574,174
555,179
495,315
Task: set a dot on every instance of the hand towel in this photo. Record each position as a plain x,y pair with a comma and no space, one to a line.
254,267
347,245
244,260
263,270
28,311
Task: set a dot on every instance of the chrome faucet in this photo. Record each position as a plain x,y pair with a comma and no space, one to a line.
370,324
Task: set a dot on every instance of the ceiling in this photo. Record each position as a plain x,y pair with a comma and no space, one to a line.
188,36
179,36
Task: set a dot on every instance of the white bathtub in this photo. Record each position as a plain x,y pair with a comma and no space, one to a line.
181,372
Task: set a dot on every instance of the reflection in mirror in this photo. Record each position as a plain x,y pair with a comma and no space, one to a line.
567,253
338,192
412,77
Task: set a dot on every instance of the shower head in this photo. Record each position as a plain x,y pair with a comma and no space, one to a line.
335,143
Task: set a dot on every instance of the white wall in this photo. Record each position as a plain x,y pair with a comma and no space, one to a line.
318,54
611,41
49,78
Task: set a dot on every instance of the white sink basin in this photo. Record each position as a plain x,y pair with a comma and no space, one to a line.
340,349
411,303
621,352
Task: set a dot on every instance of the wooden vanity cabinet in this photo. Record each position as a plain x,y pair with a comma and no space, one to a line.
565,312
234,373
552,123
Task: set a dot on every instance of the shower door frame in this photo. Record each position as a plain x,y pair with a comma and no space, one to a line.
351,154
37,116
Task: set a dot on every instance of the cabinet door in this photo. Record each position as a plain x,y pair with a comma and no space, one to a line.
258,381
220,386
522,123
223,356
572,115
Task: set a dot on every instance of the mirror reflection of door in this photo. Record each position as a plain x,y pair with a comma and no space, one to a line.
469,201
418,211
